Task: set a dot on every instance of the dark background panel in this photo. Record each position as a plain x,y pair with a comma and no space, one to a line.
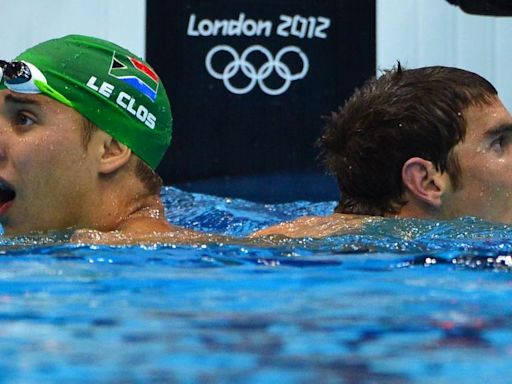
219,134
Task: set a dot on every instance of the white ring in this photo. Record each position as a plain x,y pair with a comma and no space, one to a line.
257,75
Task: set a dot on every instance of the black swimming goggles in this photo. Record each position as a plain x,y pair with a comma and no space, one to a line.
23,77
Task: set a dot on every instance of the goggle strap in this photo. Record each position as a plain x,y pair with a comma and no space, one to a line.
48,90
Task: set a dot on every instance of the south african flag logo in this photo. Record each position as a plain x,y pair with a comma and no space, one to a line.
135,73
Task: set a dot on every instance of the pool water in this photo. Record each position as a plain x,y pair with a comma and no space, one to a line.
404,301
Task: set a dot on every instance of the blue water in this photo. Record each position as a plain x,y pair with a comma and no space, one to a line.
404,301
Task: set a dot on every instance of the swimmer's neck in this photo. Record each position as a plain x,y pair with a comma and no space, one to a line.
144,215
143,223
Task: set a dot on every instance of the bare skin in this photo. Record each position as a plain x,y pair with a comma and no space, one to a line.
485,191
60,184
145,224
318,226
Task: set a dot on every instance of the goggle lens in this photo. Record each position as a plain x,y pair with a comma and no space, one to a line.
15,72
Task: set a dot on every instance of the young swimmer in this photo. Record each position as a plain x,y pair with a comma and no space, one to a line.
432,143
83,125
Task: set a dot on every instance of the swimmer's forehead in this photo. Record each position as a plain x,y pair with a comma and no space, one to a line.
15,98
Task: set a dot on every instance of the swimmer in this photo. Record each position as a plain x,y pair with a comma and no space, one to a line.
432,143
83,125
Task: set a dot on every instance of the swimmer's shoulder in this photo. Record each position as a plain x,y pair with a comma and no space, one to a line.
144,233
318,226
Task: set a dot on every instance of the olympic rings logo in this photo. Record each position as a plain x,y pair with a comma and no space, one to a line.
257,75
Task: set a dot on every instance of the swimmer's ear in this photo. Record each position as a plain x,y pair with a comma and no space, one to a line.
115,155
423,181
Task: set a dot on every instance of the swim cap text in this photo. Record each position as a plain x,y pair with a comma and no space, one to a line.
125,101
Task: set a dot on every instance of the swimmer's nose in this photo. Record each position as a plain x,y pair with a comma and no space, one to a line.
5,135
3,144
4,127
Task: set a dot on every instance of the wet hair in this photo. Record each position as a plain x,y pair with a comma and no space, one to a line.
151,181
392,118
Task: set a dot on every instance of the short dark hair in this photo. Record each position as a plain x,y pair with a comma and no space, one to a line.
151,181
392,118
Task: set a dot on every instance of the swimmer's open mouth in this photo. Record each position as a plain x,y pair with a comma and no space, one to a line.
7,193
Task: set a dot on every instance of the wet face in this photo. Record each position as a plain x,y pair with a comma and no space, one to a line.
46,174
485,157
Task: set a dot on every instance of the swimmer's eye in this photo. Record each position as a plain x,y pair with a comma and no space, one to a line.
500,143
24,119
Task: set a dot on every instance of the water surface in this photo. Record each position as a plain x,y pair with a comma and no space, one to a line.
404,301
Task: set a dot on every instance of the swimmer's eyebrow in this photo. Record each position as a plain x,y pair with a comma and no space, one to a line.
499,130
11,99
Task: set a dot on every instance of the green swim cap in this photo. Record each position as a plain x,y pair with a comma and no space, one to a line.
110,86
